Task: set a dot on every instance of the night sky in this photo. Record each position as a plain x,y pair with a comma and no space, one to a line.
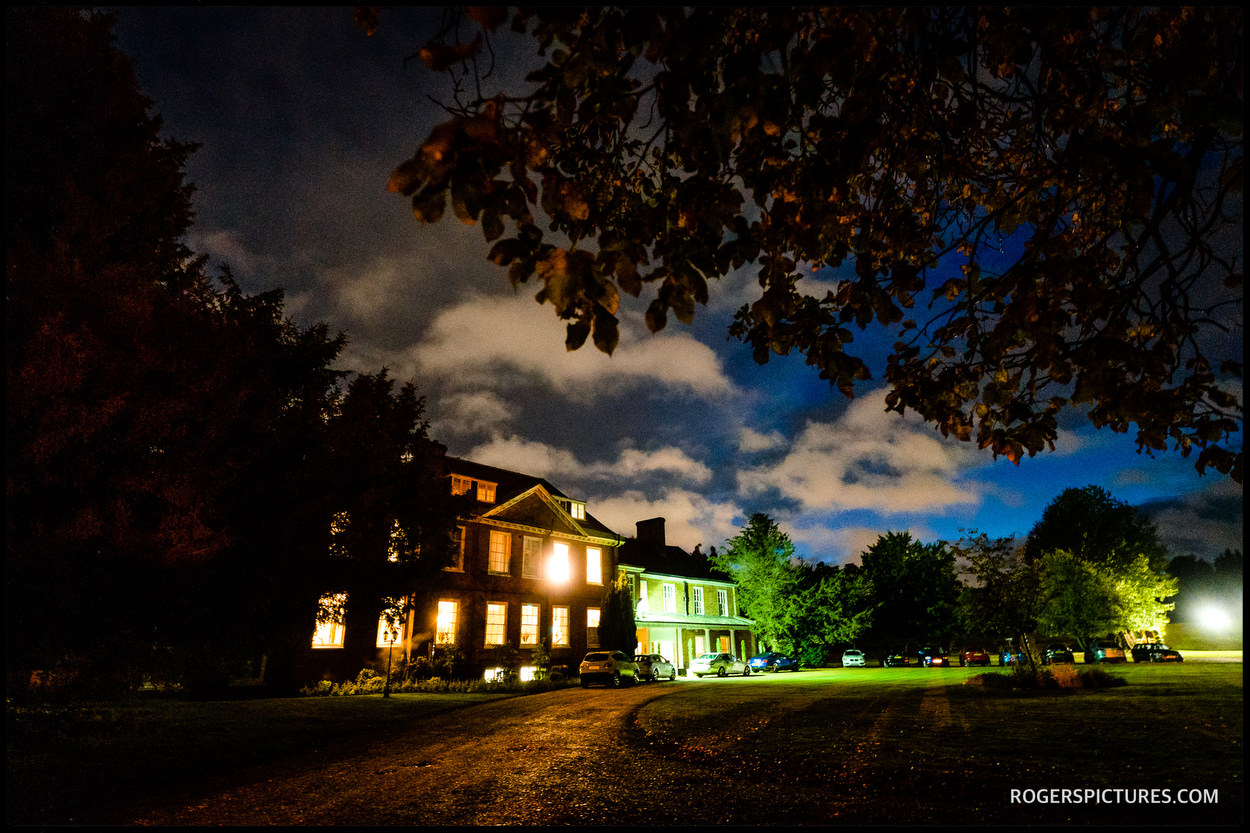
301,119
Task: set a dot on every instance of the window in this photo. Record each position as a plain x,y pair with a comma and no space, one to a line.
390,631
329,633
457,550
560,627
577,510
592,627
500,551
722,602
448,614
670,598
558,565
496,622
531,557
460,485
485,492
698,599
594,565
529,625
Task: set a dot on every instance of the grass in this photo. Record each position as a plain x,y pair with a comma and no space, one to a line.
914,744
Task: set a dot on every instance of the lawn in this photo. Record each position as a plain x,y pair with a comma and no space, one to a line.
917,745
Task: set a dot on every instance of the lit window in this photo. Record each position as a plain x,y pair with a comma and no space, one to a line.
529,625
577,510
390,631
500,551
594,565
592,627
329,633
531,557
722,602
485,492
558,565
560,627
460,485
448,613
670,598
698,599
496,622
457,550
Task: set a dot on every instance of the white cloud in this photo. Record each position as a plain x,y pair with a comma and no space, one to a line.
542,460
868,459
482,336
690,518
750,440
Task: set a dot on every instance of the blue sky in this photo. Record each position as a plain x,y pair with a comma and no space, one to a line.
302,118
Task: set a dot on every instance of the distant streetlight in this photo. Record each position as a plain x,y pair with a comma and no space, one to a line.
1213,618
391,634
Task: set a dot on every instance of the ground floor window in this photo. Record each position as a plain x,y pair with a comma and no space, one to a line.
448,614
560,627
390,630
496,622
329,633
529,625
592,627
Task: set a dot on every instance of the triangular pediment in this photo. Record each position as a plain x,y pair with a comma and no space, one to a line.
535,508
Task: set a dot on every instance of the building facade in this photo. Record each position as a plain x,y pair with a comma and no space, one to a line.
683,606
530,569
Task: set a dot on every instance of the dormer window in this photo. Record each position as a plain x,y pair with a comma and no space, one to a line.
575,508
485,491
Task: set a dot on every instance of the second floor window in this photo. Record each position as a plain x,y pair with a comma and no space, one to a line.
698,599
457,549
531,557
500,551
722,602
594,565
670,598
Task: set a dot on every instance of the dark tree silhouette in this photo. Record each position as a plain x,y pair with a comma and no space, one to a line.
1040,206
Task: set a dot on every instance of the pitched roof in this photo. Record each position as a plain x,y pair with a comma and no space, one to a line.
668,560
510,485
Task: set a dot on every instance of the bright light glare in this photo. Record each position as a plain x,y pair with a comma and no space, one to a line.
1214,618
558,564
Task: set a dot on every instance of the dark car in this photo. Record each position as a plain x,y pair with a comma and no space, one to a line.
1057,653
900,659
773,661
933,656
974,656
1155,652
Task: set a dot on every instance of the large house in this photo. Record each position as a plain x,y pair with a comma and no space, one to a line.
683,606
531,569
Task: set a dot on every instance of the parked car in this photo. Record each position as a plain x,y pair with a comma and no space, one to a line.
1105,652
1155,652
773,661
1056,653
900,659
1011,656
853,658
612,668
934,656
974,656
654,667
722,665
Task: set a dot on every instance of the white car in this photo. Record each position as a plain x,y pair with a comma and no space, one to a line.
722,665
654,667
853,658
612,668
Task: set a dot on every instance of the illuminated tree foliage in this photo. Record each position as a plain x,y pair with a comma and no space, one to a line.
1001,600
1039,205
761,561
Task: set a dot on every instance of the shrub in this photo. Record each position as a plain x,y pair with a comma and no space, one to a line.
1055,677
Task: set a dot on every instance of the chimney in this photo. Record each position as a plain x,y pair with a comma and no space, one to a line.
651,533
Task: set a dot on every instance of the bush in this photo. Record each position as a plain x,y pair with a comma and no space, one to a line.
1055,677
